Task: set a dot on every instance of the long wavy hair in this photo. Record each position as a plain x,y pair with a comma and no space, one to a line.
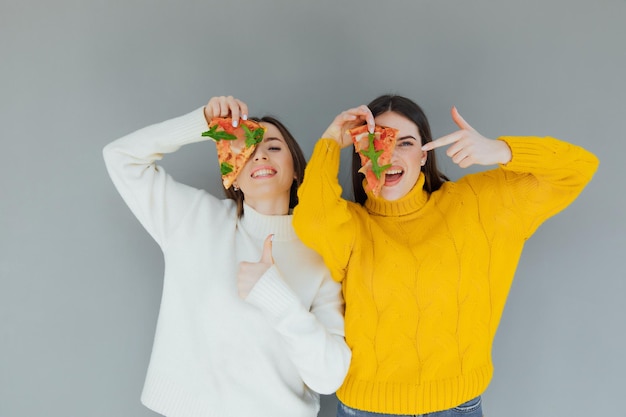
409,109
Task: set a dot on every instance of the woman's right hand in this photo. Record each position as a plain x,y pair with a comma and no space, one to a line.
468,147
224,106
338,129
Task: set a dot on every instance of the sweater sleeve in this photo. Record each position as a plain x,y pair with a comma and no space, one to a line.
322,219
544,176
158,202
314,338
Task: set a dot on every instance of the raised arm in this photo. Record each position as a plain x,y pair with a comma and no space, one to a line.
158,201
322,218
545,175
538,177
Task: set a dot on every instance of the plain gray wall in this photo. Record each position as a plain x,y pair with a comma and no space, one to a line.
80,280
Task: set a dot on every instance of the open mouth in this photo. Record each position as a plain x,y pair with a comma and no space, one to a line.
393,175
263,173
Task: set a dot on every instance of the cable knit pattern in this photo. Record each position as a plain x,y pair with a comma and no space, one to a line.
215,354
426,277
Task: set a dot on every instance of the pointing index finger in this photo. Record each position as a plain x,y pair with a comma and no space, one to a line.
443,141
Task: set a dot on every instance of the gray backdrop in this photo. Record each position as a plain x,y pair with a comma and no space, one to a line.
80,280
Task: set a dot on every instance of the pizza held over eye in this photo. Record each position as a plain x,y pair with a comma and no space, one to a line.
375,150
235,145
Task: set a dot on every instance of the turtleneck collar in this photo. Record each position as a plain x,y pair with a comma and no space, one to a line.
261,225
410,203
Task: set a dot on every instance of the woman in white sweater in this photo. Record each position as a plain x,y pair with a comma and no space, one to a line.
249,325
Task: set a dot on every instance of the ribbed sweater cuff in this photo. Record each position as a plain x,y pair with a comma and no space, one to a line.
151,142
272,295
528,153
188,128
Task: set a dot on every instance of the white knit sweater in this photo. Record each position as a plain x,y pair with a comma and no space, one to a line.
215,354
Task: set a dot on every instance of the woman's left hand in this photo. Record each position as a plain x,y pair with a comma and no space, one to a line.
250,272
470,147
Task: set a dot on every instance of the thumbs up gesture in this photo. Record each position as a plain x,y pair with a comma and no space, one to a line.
468,147
250,272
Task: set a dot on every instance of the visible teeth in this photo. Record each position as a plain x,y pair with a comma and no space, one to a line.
262,172
394,171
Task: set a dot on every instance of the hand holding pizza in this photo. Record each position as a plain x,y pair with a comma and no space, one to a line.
224,107
338,129
250,272
470,147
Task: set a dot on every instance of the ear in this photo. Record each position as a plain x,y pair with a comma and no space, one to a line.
424,158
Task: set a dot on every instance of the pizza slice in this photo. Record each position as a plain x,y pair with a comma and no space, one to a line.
375,150
234,145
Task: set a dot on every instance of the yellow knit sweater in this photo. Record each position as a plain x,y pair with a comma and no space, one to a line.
426,277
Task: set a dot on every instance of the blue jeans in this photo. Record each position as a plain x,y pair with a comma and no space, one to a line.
472,408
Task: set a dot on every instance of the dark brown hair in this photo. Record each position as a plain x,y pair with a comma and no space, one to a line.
409,109
299,163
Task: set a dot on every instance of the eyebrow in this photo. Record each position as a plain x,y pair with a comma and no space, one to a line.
272,138
407,137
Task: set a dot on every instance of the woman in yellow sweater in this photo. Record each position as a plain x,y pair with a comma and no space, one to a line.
426,265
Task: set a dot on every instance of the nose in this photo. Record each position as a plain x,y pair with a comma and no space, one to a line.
259,155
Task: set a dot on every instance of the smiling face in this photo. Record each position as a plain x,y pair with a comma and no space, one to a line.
267,177
407,158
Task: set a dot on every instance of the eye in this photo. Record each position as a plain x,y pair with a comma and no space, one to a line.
405,143
274,148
